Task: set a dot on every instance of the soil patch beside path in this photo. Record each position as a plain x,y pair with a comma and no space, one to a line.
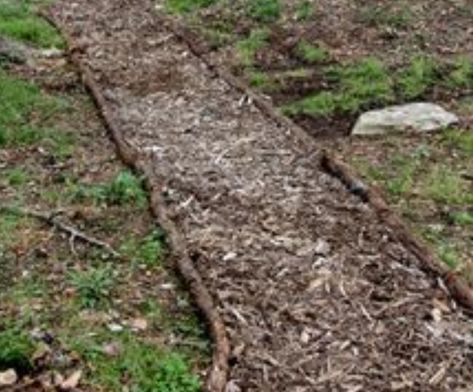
314,291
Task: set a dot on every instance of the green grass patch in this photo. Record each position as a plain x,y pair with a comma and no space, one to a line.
18,21
17,176
124,189
24,111
148,250
248,47
461,140
265,11
461,218
357,86
186,6
261,81
310,53
304,10
445,186
93,286
16,349
414,81
140,366
461,75
379,16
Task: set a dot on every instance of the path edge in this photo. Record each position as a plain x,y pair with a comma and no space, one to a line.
458,287
217,377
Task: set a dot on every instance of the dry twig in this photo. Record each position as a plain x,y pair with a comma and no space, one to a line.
51,219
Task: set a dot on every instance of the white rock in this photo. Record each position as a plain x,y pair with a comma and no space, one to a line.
414,117
8,378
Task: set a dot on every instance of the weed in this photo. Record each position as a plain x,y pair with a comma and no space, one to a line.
18,21
310,54
462,73
360,85
22,106
185,6
414,81
17,177
144,367
148,251
449,256
460,140
461,218
16,349
402,182
265,11
125,188
377,16
322,104
261,80
447,187
248,47
304,10
93,286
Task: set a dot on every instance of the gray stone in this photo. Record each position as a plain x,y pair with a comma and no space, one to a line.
414,117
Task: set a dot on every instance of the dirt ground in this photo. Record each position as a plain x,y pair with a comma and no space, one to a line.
314,290
67,305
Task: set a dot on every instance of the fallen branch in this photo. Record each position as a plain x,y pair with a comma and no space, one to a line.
52,220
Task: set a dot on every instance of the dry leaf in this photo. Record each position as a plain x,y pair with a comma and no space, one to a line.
72,381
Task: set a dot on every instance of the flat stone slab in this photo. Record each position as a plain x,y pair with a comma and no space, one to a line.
414,117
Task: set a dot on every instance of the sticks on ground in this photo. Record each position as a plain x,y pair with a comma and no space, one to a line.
53,220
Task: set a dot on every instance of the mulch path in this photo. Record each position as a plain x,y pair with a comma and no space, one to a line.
314,290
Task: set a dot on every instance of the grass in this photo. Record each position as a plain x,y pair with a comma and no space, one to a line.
93,286
148,251
24,112
18,21
361,85
16,349
261,80
311,54
248,47
264,11
446,186
304,10
461,218
419,76
379,16
462,74
125,188
460,140
186,6
140,366
17,177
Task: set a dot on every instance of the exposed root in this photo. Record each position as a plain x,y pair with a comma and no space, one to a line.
52,219
459,288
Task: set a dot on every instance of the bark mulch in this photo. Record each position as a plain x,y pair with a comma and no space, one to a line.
314,291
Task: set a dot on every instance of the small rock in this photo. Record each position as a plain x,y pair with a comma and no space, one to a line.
139,324
414,117
111,349
115,327
8,378
322,247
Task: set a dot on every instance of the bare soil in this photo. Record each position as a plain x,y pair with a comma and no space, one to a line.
315,292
